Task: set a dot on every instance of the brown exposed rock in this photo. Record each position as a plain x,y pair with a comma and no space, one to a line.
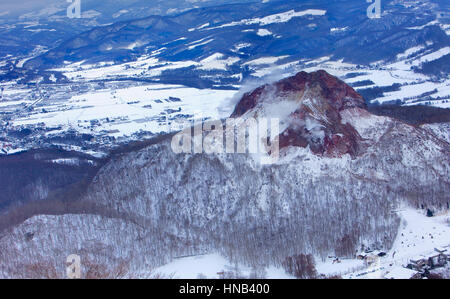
321,98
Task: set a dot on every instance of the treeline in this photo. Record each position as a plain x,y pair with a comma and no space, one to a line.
439,68
32,176
414,115
373,93
301,266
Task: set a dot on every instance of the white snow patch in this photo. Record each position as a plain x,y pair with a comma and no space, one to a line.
265,60
276,18
339,29
264,32
53,78
400,273
217,62
198,44
210,266
409,52
435,22
199,27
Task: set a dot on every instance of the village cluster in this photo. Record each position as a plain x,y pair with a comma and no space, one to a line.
417,268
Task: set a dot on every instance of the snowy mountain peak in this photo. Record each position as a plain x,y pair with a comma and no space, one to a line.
309,107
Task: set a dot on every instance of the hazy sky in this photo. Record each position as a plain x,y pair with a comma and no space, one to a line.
26,5
14,4
19,7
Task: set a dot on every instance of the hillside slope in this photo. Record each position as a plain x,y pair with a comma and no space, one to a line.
158,205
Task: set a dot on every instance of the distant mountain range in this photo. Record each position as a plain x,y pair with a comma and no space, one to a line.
293,30
25,25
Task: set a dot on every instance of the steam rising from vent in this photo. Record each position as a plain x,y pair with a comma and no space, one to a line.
258,137
309,107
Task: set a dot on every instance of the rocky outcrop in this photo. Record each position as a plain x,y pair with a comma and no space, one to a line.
315,118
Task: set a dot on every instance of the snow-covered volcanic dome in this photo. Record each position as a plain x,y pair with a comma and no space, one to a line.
309,106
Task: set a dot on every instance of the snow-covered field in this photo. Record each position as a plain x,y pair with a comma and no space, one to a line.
126,110
211,266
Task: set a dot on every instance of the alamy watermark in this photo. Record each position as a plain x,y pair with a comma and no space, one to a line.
73,270
374,9
232,136
74,9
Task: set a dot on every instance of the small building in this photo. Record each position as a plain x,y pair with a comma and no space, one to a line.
371,259
436,261
419,263
439,259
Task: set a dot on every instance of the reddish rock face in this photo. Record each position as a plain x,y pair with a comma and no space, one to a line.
317,122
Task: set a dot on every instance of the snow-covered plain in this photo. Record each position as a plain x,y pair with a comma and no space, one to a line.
212,266
128,110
